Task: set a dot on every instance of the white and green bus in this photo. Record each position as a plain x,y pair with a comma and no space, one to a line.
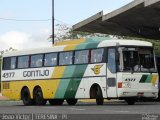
92,68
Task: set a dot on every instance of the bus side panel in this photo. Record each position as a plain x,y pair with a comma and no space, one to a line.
14,90
94,74
60,82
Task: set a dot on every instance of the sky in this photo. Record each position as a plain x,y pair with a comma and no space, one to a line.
34,34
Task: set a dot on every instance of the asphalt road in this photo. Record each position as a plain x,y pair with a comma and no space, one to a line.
110,110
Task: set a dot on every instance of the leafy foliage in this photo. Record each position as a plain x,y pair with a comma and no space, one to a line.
63,32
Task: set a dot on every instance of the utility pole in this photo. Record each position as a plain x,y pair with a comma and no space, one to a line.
52,22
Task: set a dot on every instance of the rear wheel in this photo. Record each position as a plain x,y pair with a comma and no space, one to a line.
130,101
38,96
99,96
26,98
56,101
71,101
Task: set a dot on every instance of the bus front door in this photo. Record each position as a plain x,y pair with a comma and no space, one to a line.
111,74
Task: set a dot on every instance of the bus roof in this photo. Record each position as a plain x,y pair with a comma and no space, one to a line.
79,44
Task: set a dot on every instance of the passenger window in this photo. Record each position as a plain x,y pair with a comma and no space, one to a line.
6,63
50,59
36,60
65,58
97,55
81,57
13,62
9,63
23,62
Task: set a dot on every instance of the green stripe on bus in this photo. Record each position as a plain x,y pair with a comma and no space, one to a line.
74,83
69,70
149,78
62,88
68,87
91,42
79,71
64,82
143,79
97,39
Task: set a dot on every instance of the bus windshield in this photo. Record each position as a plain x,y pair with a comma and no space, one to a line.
138,59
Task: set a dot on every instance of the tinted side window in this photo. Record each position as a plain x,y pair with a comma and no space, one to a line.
37,60
81,57
6,63
112,60
65,58
50,59
23,61
97,55
13,62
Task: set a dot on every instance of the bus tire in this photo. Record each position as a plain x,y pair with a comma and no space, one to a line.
99,96
71,101
38,96
56,101
130,101
26,97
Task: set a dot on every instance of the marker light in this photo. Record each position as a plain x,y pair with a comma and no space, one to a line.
120,85
124,85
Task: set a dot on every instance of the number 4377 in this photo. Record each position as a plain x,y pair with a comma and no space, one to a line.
8,75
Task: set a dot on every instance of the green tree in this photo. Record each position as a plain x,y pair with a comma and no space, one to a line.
63,32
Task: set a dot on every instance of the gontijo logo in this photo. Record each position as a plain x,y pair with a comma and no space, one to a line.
97,69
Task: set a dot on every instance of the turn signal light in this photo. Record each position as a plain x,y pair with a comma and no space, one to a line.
120,85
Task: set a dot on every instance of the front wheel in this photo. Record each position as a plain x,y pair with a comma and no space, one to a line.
38,96
71,101
99,97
